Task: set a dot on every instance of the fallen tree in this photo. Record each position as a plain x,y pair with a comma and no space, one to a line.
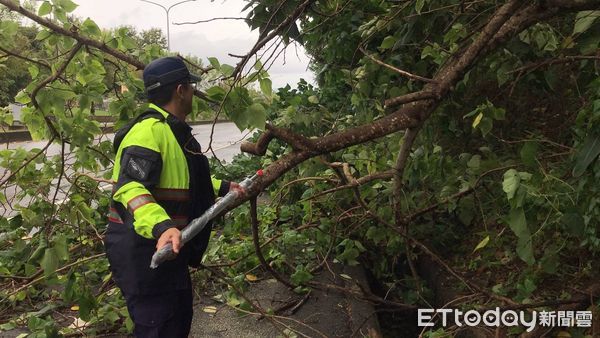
397,153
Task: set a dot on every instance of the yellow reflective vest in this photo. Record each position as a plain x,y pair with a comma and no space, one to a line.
152,177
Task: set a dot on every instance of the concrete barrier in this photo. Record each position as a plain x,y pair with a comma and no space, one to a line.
23,135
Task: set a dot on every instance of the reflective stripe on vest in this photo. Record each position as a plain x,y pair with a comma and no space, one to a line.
180,221
165,194
139,201
113,216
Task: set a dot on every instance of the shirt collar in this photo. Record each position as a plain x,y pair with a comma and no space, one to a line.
176,124
159,109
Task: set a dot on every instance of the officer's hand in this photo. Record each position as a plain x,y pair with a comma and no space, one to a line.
173,236
233,186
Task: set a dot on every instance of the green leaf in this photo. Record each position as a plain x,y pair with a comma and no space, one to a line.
482,244
61,247
9,28
419,5
588,152
86,302
214,62
528,153
43,34
227,70
388,42
525,250
256,116
90,28
216,93
524,176
33,71
518,223
69,291
266,86
486,126
574,223
511,183
498,114
50,261
67,5
301,276
584,21
45,8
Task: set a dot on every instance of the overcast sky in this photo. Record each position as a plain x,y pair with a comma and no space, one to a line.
216,38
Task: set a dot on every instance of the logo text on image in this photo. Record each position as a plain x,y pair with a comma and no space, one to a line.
497,318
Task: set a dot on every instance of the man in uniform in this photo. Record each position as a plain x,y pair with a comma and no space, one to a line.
162,183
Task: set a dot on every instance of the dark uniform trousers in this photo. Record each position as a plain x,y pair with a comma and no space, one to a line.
163,315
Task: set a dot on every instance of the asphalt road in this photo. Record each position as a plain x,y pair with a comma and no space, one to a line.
225,144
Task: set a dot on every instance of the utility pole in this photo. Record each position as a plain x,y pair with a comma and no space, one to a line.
167,10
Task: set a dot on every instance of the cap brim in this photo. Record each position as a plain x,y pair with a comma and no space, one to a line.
194,78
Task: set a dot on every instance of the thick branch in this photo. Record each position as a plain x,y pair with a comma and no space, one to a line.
298,142
73,34
260,147
462,61
83,39
535,13
408,98
410,116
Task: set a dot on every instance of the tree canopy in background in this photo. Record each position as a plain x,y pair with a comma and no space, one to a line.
460,136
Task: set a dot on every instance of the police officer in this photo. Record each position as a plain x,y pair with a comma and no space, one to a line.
162,183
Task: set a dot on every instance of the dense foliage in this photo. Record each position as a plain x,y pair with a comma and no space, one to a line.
497,177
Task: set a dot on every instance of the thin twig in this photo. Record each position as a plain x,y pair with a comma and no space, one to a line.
257,247
208,20
397,70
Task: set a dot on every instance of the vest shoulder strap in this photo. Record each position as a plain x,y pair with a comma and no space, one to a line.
122,132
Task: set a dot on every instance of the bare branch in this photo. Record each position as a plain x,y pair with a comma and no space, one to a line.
257,246
208,20
17,55
407,142
397,70
50,79
259,44
549,62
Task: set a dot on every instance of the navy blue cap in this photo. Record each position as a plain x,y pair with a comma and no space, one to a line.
165,71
